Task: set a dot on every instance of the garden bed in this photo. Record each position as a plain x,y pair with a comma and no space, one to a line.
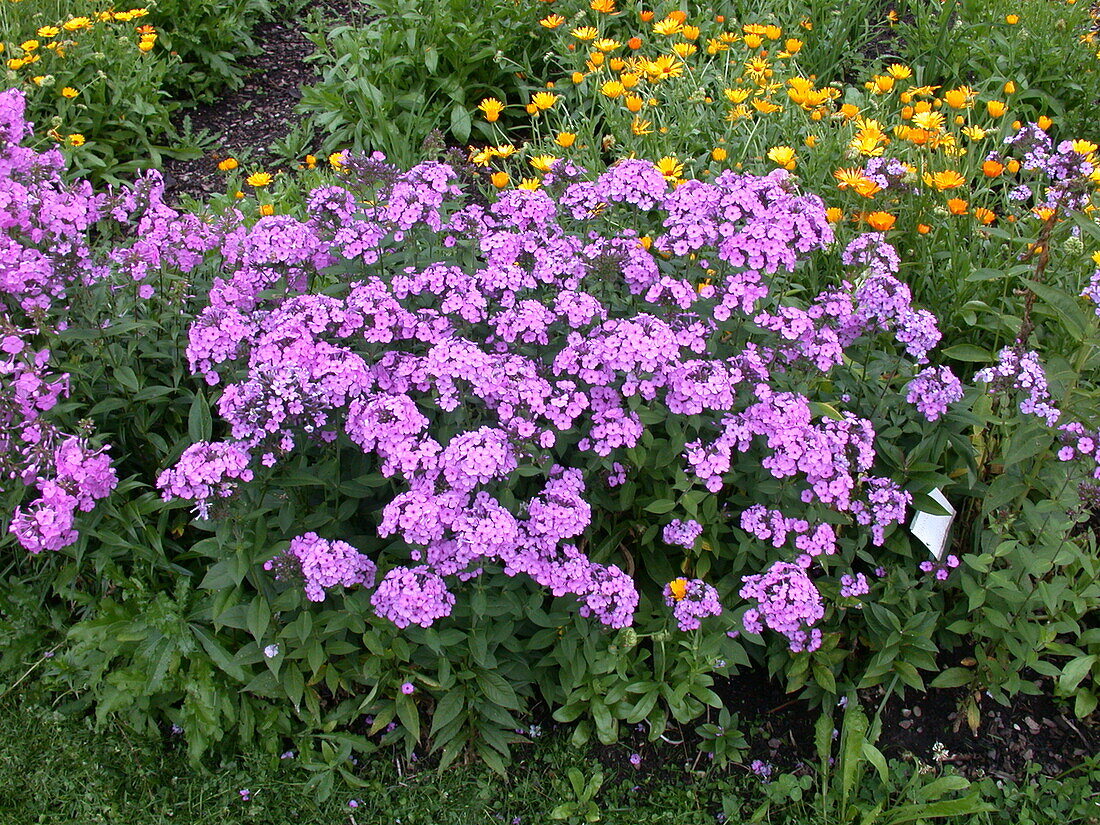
712,390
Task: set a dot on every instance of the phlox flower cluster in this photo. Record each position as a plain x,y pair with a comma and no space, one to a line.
932,390
691,602
940,569
79,477
773,526
1062,172
853,586
206,472
772,591
787,602
883,302
323,564
1019,371
890,173
832,456
683,533
412,595
872,252
1078,442
541,349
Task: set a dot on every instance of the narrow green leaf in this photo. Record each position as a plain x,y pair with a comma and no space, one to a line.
200,427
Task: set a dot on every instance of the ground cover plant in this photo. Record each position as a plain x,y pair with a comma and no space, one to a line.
641,391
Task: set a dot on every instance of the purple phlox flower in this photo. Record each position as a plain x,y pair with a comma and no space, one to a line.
412,596
761,769
1079,442
321,565
932,390
1092,290
940,570
788,602
1019,371
683,533
854,586
691,602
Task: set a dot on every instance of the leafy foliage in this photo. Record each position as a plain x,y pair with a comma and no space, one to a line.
413,68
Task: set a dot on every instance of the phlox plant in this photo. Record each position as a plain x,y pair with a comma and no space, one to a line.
610,346
92,288
211,39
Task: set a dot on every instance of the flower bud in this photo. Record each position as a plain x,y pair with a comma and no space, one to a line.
627,638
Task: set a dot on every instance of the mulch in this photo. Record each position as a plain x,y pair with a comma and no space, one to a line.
264,110
930,726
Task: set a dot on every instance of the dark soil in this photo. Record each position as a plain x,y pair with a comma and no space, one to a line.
1031,729
928,726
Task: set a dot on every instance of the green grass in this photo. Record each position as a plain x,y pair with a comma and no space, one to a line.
57,769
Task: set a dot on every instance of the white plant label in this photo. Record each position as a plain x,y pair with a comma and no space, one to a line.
932,531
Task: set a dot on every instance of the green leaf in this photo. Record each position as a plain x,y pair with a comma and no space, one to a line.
605,725
924,503
294,684
953,677
661,506
259,615
497,690
938,787
824,677
200,427
969,804
819,409
1065,306
875,757
969,352
127,378
219,656
460,122
1074,672
1084,704
219,576
264,684
431,61
448,709
409,716
854,736
823,736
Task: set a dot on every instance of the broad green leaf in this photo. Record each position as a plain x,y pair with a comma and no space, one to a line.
1074,672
